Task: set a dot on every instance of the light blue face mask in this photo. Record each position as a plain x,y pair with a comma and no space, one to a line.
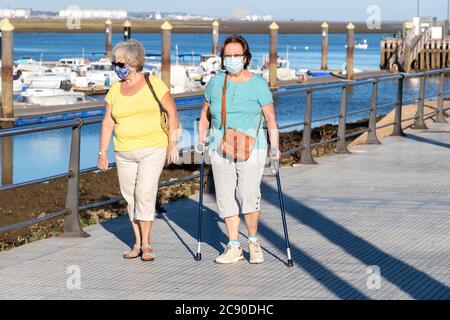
233,64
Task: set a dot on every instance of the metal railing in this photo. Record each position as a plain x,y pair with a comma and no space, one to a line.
72,226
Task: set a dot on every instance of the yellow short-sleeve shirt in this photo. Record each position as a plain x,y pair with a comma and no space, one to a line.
137,117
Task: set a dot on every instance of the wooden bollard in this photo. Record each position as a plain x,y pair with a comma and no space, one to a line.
215,38
126,30
273,58
7,69
6,29
108,34
166,34
350,51
324,64
408,38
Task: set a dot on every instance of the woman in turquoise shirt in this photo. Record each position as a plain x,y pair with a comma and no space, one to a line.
237,183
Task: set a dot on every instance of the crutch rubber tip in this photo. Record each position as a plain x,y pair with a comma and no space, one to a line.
198,257
290,263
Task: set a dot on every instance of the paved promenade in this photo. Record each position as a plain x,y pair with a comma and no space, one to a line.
383,208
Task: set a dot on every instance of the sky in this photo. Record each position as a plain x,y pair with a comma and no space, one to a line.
342,10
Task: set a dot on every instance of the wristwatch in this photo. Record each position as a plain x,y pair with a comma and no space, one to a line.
100,153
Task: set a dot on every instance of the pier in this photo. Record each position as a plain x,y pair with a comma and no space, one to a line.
384,205
417,50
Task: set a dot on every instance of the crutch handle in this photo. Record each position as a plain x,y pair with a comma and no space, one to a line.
276,163
200,147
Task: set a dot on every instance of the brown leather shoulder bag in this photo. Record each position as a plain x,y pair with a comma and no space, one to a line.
235,145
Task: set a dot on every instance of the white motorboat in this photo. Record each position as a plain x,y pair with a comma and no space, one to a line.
49,80
100,73
73,63
210,65
344,70
362,46
51,97
27,67
283,74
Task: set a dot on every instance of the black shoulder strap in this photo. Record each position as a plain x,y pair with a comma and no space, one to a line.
149,84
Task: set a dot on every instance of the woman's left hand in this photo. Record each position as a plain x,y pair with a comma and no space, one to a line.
172,154
275,154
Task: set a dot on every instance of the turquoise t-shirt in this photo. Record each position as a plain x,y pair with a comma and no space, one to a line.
244,102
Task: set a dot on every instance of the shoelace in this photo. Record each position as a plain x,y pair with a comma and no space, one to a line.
255,246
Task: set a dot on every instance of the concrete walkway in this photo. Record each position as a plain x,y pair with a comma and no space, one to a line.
383,208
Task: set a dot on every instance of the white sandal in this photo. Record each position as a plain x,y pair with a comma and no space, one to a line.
132,254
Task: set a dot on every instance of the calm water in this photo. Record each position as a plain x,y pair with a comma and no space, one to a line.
44,154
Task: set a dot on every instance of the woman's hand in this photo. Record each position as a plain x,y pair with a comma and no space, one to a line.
173,155
102,162
200,147
275,154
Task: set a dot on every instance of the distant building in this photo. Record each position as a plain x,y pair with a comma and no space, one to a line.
93,14
176,16
15,13
255,17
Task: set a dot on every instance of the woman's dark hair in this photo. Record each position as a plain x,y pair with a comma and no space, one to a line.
237,39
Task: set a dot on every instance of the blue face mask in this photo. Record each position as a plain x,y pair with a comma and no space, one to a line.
122,73
233,64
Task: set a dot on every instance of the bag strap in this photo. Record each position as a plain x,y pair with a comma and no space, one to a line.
149,84
223,123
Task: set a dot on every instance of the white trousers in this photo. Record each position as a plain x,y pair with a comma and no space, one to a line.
139,172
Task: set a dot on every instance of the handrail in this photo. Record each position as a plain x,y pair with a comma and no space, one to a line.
71,211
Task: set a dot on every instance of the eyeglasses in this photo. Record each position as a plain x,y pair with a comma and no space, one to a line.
118,64
233,55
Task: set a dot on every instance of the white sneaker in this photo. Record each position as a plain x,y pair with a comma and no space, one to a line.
232,254
256,254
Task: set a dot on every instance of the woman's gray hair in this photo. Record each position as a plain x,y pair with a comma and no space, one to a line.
132,51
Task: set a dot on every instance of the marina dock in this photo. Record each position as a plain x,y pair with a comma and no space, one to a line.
21,111
384,206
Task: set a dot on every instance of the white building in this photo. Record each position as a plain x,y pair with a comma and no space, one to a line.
255,17
15,13
93,14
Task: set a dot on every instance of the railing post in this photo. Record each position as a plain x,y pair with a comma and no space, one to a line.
398,130
306,156
420,119
440,116
372,135
166,38
324,63
108,44
341,145
273,58
72,226
126,30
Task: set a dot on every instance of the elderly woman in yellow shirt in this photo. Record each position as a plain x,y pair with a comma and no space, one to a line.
141,146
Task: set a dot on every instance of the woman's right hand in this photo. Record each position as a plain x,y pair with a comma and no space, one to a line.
200,147
102,162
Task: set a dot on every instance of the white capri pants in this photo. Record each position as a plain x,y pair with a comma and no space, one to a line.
238,184
139,172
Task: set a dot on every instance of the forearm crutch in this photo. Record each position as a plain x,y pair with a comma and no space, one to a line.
200,149
276,165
